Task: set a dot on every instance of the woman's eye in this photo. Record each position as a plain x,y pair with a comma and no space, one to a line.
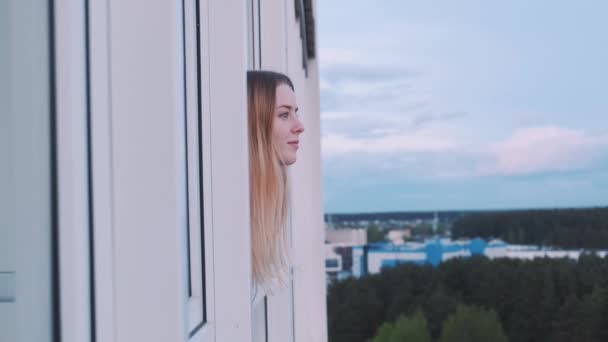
284,115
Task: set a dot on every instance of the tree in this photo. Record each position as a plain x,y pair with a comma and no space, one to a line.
528,296
357,314
412,328
374,234
593,318
548,304
472,324
567,228
437,308
567,325
384,333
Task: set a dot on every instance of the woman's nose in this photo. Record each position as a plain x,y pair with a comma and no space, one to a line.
298,126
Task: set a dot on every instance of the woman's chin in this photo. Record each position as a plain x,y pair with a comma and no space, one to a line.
289,161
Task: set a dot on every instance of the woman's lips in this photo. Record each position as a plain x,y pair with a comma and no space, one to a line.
294,143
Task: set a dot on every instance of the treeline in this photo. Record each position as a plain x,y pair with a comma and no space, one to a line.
565,228
535,301
397,215
467,324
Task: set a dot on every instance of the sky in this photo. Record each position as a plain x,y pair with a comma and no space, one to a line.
460,105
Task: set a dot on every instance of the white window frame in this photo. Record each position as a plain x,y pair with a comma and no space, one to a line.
128,243
71,96
224,168
224,151
101,163
271,34
229,189
195,226
201,325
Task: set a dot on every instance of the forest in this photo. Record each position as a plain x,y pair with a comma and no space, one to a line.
396,215
562,228
475,299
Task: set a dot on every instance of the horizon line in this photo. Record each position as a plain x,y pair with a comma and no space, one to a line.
465,210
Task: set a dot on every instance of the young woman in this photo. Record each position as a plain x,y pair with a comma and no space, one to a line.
274,134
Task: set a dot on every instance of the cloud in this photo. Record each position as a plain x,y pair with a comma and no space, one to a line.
435,155
335,144
330,56
355,95
544,149
362,73
362,124
375,124
352,86
423,119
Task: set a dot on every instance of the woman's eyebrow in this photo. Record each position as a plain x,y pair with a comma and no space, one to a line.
288,107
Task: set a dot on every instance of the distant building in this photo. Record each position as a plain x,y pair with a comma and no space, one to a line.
333,260
339,251
398,236
333,263
346,236
372,258
533,252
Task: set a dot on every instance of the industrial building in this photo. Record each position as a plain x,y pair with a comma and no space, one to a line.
345,260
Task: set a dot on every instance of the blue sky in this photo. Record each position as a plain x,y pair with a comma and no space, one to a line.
463,104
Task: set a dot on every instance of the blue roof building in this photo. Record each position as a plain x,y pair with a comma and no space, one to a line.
371,258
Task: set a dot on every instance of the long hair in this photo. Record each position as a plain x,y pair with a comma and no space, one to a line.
269,191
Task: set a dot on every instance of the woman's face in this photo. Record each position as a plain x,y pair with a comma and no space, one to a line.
286,125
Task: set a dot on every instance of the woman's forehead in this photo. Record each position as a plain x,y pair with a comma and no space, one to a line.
285,96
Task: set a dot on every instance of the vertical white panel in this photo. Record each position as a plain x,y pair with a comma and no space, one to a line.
281,50
310,300
309,284
273,34
207,332
273,41
147,109
195,224
101,164
72,169
229,169
250,34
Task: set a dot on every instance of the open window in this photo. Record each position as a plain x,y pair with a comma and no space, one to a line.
28,221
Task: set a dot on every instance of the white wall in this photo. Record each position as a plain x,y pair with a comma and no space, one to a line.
138,111
146,91
309,228
281,50
229,174
134,85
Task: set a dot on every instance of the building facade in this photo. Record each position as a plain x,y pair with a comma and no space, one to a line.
124,205
371,258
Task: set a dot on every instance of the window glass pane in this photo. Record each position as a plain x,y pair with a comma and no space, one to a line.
259,322
331,263
26,255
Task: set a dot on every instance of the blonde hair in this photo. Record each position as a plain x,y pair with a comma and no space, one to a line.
269,192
